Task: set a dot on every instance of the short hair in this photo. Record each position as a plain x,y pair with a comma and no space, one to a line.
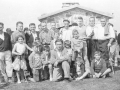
59,40
8,29
31,24
67,43
35,44
26,28
1,23
66,20
20,36
92,17
46,48
103,18
75,30
19,22
80,18
97,53
74,24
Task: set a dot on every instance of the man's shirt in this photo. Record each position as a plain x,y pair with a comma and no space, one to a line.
46,36
66,34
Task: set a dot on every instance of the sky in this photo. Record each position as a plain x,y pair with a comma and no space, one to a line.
28,11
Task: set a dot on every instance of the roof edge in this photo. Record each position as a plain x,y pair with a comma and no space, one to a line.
76,6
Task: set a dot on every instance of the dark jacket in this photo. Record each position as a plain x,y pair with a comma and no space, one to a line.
6,43
30,39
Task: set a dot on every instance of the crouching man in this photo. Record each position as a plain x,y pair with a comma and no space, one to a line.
60,61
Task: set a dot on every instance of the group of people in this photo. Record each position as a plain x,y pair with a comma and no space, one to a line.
72,52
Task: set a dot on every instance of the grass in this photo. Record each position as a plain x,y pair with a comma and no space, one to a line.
110,83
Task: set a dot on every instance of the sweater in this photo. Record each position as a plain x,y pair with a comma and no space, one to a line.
35,60
6,43
55,57
98,67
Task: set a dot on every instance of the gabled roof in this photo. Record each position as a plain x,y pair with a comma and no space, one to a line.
76,6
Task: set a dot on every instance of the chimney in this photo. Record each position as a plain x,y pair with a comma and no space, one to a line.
69,4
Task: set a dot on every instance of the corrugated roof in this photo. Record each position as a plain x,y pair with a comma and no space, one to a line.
76,6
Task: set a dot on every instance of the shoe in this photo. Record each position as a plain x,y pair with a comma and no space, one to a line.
10,81
77,79
31,79
67,80
51,79
58,80
19,82
104,76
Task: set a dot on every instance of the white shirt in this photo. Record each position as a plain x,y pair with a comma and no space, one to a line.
20,48
54,44
66,34
90,29
34,35
81,30
2,36
100,33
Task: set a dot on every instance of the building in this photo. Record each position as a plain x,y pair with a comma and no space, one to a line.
71,12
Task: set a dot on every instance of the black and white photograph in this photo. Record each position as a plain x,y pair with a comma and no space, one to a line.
59,45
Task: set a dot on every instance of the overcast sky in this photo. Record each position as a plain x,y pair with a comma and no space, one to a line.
28,11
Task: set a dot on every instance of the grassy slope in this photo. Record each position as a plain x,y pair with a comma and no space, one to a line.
111,83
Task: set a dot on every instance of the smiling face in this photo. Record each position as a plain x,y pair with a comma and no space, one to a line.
53,26
97,56
76,34
20,27
80,22
35,48
66,24
92,22
103,22
59,45
32,28
20,40
43,26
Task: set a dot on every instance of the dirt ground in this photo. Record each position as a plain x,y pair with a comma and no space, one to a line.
110,83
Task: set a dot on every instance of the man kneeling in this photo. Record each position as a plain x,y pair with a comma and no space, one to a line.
60,61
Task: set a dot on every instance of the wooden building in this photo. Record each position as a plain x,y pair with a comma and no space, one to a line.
71,13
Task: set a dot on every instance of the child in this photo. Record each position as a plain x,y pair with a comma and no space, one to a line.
98,66
46,56
40,45
19,51
67,45
52,44
77,57
35,62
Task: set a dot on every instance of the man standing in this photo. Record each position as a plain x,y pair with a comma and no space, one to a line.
8,30
5,54
66,31
33,34
90,33
60,60
19,31
46,35
82,32
54,30
103,38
